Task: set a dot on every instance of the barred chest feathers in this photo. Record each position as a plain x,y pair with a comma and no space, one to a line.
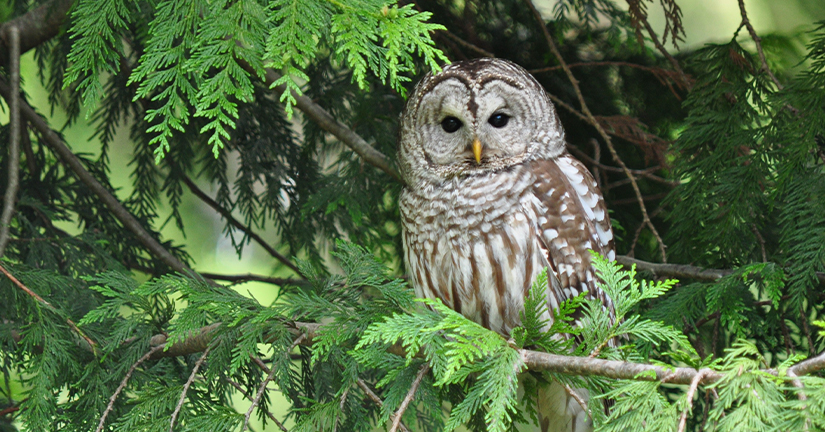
464,241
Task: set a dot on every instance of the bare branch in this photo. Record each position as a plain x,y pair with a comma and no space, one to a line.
466,44
262,388
595,123
694,384
586,366
237,224
122,385
268,414
13,184
758,41
344,134
409,397
186,388
249,277
72,325
374,397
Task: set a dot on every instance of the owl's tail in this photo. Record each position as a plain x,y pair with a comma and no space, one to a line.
559,411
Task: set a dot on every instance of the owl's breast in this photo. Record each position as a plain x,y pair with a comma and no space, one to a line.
471,243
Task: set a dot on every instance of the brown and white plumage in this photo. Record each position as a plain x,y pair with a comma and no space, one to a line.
490,201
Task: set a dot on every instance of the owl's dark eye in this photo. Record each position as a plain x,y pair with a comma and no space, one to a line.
498,120
450,124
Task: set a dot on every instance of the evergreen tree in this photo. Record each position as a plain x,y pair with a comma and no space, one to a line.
288,109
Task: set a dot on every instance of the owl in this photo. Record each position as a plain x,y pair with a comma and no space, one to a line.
492,196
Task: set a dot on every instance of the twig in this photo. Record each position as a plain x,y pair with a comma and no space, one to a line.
685,81
694,384
344,134
246,395
467,45
249,277
409,397
122,385
758,41
632,252
262,388
186,388
663,75
53,141
572,393
674,270
72,325
803,317
237,224
647,172
14,140
595,123
377,400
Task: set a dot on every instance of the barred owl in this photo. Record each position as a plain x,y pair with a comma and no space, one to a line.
493,197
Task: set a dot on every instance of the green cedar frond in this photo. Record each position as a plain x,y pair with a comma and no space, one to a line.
97,45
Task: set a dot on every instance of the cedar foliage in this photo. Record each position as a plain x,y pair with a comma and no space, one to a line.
729,161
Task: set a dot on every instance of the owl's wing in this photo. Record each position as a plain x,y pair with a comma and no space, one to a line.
571,218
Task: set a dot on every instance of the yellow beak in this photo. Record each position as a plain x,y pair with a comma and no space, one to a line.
477,150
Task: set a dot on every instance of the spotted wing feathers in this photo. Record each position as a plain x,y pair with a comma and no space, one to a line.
572,218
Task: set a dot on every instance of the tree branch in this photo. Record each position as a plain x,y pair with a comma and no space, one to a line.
122,385
237,224
36,26
758,41
13,184
186,388
41,300
53,141
595,123
409,397
534,360
246,395
344,134
249,277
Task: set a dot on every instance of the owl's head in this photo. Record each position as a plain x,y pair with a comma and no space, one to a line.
475,117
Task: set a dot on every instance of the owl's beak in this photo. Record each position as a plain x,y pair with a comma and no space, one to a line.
477,150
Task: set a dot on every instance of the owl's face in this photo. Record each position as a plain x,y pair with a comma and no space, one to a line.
477,116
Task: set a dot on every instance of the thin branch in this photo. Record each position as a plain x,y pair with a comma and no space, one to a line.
268,413
805,329
72,325
237,224
577,397
53,141
674,270
249,277
122,385
595,123
374,397
14,140
257,399
758,41
663,75
694,384
186,388
647,172
409,397
675,64
466,44
344,134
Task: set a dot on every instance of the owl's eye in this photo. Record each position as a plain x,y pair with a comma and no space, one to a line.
450,124
498,120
